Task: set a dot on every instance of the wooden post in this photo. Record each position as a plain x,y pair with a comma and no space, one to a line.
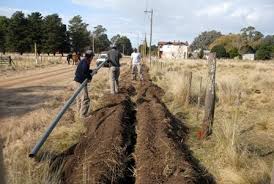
199,98
2,170
35,50
188,78
210,96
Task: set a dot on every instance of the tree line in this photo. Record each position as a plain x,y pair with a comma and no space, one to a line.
247,41
21,32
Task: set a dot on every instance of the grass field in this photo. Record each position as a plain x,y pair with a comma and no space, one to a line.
28,61
241,147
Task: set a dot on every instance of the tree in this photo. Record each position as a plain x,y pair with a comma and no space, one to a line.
124,45
250,34
143,48
205,39
102,43
65,46
268,40
115,38
101,40
54,34
264,52
201,54
220,51
4,22
233,53
99,30
80,36
18,34
154,50
228,41
35,21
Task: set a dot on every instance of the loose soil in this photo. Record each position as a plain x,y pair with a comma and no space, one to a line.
132,138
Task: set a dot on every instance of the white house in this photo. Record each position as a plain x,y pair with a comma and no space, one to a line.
250,57
173,50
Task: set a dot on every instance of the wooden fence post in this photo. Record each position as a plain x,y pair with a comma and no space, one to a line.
188,78
2,168
199,97
210,96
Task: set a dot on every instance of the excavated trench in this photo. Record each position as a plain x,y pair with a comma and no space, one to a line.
133,138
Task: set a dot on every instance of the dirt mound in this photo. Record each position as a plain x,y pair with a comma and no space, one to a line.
161,156
104,153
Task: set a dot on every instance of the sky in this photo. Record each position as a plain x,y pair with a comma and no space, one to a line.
180,20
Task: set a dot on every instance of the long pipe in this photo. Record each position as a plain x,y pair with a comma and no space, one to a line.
55,121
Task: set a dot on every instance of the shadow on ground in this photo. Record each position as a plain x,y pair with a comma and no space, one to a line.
19,101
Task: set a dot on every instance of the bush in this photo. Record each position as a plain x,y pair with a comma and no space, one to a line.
233,53
201,54
264,52
220,51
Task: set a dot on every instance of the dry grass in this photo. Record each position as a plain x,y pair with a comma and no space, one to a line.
28,61
241,147
20,135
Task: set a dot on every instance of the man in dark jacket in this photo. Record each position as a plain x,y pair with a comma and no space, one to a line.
114,57
82,73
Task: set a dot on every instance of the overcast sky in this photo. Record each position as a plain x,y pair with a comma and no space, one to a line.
173,19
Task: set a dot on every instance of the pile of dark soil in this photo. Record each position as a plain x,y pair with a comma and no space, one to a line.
133,142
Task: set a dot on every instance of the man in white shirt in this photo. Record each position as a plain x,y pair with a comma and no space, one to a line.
136,65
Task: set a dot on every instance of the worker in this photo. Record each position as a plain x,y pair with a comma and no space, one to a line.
136,66
82,73
114,57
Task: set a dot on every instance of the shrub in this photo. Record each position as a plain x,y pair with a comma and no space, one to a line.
201,54
220,51
264,53
233,53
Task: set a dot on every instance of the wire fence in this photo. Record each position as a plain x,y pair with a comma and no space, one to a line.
190,80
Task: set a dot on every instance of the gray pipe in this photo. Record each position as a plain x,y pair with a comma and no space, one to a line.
55,121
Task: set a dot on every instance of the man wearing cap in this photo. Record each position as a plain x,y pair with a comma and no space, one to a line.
114,57
81,74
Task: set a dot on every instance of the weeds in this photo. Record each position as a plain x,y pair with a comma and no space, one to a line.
242,116
21,133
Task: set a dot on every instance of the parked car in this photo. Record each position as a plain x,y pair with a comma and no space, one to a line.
102,58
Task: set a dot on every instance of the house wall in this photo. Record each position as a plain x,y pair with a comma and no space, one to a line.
249,57
174,52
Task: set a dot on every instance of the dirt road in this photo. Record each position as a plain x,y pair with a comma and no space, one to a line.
133,138
29,90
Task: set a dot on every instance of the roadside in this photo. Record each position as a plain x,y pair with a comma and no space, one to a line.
29,101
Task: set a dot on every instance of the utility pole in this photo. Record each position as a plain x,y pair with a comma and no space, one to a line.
150,41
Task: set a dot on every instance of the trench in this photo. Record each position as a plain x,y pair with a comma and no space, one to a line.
130,139
131,136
